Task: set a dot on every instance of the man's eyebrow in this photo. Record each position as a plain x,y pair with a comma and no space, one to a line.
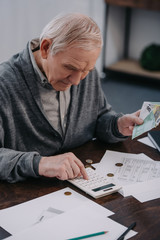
71,67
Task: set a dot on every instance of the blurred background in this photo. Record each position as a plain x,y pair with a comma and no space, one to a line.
127,30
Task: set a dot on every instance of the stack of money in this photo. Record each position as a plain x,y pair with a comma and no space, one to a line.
150,113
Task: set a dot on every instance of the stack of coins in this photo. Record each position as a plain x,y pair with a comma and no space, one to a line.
89,163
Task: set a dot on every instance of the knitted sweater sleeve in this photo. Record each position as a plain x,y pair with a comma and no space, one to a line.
16,165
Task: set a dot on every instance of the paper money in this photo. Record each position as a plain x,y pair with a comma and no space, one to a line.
150,113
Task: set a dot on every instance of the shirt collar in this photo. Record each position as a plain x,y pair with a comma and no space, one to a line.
41,77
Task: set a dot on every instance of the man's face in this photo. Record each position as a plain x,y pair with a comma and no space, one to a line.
69,67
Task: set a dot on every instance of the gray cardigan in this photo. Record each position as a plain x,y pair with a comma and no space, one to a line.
25,133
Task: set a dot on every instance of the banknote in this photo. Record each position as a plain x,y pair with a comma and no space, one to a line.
150,113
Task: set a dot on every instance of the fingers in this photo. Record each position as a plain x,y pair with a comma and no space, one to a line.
76,169
127,122
82,170
84,174
133,119
73,170
136,117
131,129
64,166
138,121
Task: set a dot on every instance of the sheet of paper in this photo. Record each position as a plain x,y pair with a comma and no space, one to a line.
147,196
138,170
125,168
145,191
28,214
134,172
142,187
77,222
146,141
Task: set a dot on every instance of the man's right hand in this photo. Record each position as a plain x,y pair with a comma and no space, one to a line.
64,166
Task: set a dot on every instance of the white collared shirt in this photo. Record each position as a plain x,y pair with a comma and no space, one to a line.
55,103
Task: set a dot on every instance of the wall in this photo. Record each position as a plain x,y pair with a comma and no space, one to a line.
22,20
114,35
144,30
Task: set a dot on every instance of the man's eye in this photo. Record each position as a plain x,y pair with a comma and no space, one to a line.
67,69
70,68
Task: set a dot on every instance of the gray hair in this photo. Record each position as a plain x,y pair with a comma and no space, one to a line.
72,30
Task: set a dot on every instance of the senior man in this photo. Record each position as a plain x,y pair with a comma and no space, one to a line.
51,101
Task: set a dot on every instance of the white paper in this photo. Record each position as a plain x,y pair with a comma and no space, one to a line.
81,221
147,196
28,214
136,167
139,173
147,191
146,141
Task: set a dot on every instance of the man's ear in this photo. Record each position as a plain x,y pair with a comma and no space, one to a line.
45,48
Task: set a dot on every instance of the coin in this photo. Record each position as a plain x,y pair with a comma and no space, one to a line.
90,166
119,164
67,193
89,161
110,174
87,166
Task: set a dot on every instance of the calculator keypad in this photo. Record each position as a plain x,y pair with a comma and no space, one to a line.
96,186
94,181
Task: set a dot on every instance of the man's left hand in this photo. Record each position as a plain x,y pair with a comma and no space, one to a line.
127,122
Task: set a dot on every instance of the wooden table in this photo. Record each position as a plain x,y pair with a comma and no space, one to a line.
127,210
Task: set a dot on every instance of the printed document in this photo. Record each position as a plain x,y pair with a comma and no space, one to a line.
136,173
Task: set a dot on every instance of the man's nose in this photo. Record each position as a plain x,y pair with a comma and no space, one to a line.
75,78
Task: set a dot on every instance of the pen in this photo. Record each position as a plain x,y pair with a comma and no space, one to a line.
128,229
89,235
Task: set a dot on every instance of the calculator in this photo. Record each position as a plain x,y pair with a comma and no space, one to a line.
97,186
